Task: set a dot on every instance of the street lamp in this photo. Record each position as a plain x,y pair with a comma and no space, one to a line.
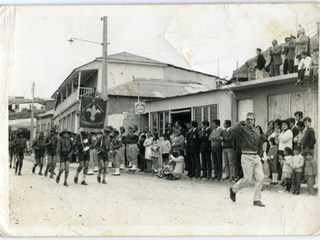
104,85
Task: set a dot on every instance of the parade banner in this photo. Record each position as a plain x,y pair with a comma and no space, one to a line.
92,114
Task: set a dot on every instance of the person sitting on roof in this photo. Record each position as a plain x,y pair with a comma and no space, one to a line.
304,66
314,66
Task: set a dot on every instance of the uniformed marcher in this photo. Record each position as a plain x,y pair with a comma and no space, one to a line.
20,146
50,143
103,146
64,152
39,149
82,146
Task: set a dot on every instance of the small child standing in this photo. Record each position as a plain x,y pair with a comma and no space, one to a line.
286,169
310,172
297,163
272,160
165,148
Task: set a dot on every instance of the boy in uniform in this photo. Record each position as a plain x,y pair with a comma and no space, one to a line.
50,143
20,146
39,148
64,152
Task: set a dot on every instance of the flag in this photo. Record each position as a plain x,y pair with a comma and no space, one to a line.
92,114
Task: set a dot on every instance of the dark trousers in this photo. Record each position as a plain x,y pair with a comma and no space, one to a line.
206,164
288,66
275,69
279,169
310,183
188,162
165,158
238,168
139,161
217,161
296,181
196,168
301,74
143,163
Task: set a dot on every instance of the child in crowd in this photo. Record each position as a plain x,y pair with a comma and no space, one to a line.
286,169
297,163
155,153
272,160
142,150
310,172
165,148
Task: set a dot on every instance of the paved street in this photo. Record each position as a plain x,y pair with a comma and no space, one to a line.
140,204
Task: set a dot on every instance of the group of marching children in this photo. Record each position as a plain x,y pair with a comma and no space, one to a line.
107,148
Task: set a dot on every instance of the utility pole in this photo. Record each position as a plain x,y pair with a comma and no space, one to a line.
32,113
104,79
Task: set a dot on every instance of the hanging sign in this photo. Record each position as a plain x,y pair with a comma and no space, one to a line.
140,107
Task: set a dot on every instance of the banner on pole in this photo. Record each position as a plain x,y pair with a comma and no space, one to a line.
92,114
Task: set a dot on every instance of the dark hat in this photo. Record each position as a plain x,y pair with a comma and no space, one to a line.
115,130
53,129
65,131
19,132
108,129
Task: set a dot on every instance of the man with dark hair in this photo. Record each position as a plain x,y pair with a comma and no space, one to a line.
298,116
194,150
205,149
251,146
259,64
276,61
179,125
215,138
228,138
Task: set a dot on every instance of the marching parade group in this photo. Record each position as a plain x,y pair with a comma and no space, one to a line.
207,152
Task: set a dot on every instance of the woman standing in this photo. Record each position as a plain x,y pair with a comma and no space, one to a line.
148,143
177,142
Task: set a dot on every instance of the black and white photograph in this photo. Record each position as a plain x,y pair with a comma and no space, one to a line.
159,120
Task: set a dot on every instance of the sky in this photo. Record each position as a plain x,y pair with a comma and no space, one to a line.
199,37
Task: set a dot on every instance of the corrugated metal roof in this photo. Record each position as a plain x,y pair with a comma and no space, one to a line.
155,88
128,57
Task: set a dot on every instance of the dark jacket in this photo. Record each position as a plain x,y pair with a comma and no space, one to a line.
194,141
205,145
38,145
251,140
20,144
260,61
228,138
309,138
275,54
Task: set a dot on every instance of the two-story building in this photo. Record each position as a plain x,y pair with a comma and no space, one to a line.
19,104
129,76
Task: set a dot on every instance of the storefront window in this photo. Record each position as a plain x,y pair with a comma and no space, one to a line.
198,115
205,114
213,113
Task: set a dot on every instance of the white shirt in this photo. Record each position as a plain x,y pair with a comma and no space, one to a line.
305,63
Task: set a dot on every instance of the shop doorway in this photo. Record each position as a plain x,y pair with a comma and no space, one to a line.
183,115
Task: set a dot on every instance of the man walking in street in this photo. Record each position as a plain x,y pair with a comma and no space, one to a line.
251,146
215,138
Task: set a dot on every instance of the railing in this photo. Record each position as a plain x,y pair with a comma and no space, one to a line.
74,96
85,92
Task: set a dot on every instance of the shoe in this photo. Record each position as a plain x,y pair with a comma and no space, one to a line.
204,176
54,173
232,179
275,183
40,173
159,176
75,180
66,184
19,173
104,182
10,166
51,176
232,195
58,179
296,193
304,181
33,169
271,184
84,183
218,179
226,178
99,179
46,173
258,204
208,178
